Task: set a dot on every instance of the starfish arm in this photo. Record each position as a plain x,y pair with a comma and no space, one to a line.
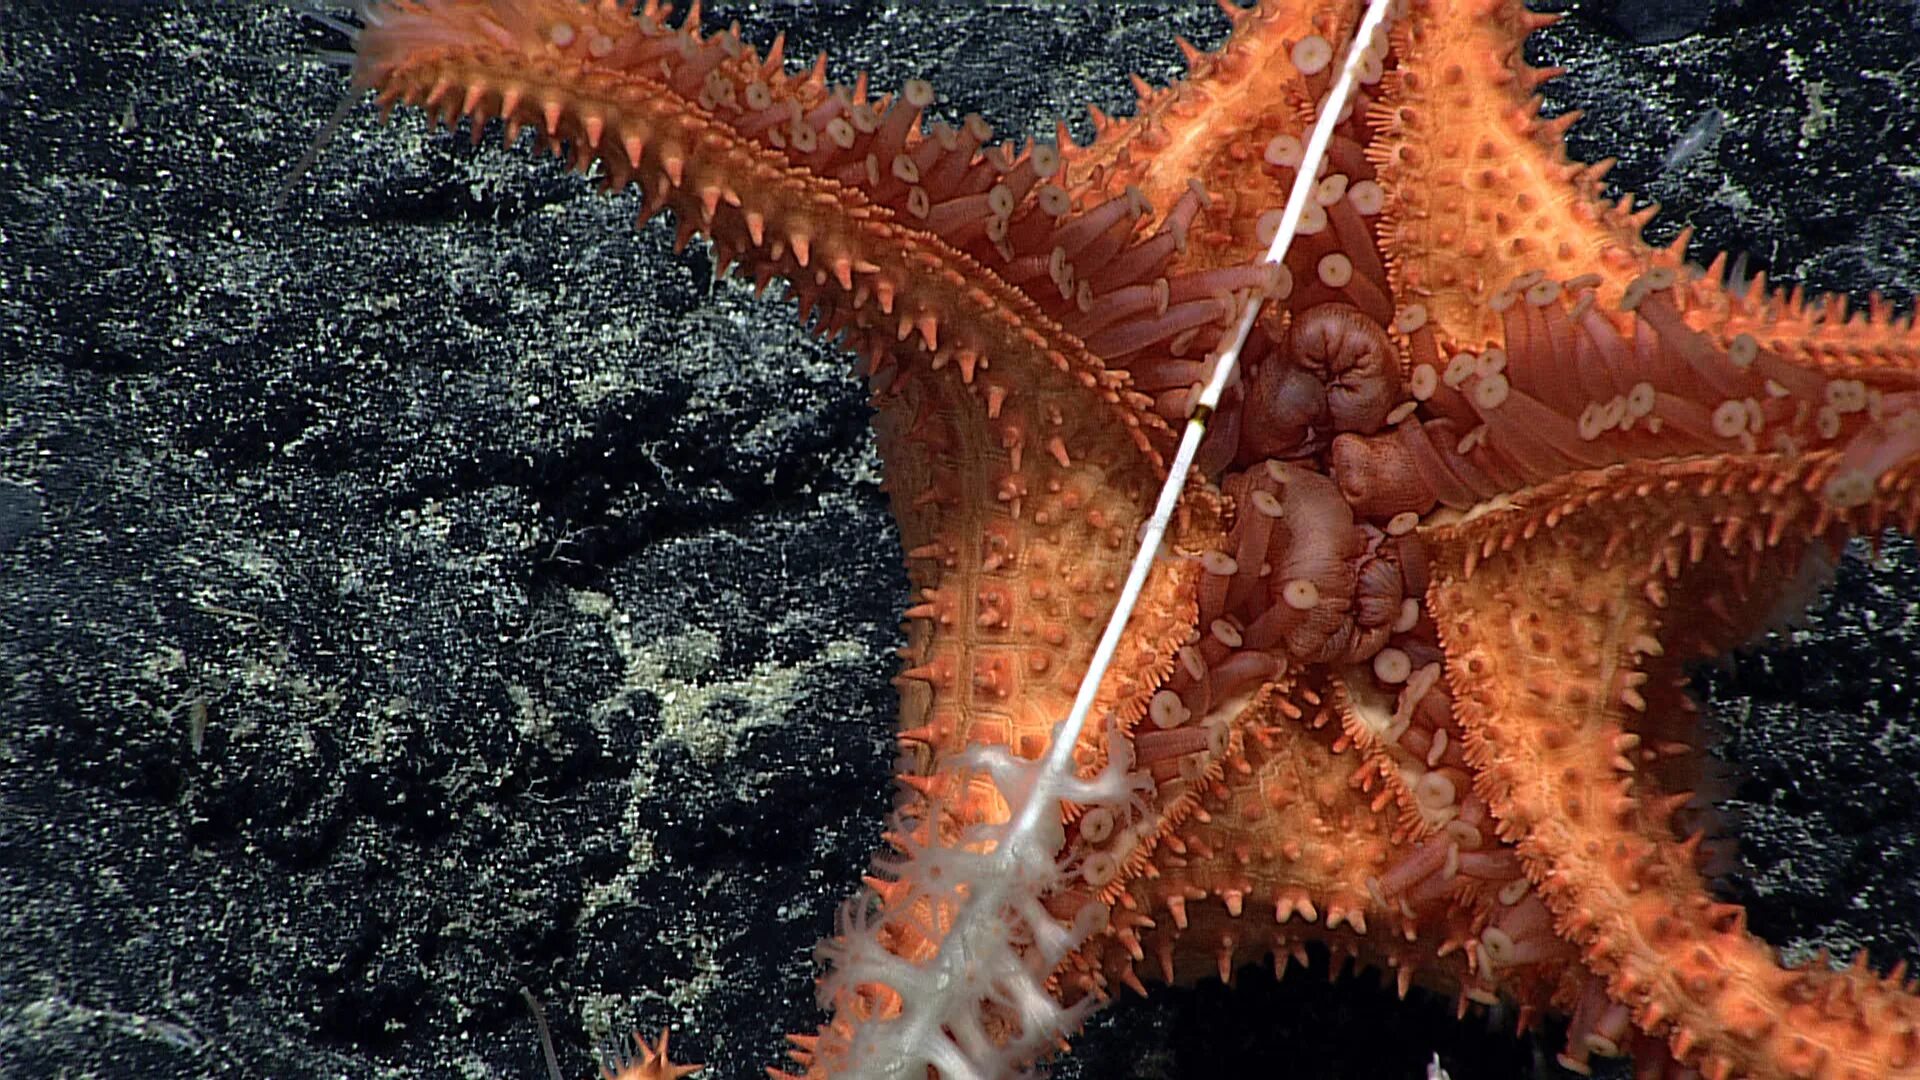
649,1061
1480,187
1236,98
1291,841
782,173
1564,619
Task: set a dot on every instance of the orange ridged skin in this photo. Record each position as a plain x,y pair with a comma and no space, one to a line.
1408,682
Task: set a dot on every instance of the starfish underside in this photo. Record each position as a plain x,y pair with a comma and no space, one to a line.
1408,683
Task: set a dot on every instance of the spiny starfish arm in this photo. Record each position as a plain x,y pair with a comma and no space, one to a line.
649,1061
1569,385
1282,844
1480,189
1558,616
791,178
1215,123
1289,839
1824,334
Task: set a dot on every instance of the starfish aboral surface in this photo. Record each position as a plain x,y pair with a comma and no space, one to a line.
1409,683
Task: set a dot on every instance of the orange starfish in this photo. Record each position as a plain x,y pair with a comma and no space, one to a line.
1408,684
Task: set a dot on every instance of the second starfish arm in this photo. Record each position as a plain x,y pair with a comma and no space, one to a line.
1571,702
